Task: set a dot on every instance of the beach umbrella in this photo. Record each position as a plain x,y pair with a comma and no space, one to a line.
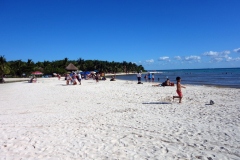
55,74
86,73
37,73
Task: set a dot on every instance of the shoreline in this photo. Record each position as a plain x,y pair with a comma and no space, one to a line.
184,84
14,80
122,74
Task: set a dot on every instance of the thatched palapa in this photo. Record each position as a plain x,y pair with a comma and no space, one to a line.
71,67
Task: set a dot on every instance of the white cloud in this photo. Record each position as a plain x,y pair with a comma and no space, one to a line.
237,50
225,52
177,58
232,59
237,59
162,63
211,53
164,59
229,59
191,58
150,61
216,54
216,59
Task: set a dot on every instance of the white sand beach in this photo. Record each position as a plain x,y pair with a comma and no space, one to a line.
117,120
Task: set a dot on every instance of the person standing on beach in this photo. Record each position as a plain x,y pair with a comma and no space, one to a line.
149,76
179,91
97,77
153,77
74,78
79,77
68,78
145,77
139,76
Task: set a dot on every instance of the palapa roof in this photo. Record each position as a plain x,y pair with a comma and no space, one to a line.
71,67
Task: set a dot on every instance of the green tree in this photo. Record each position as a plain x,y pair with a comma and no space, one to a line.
17,68
4,68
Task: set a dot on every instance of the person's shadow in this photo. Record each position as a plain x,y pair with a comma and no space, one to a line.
157,103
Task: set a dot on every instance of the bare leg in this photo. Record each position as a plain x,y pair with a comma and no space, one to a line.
180,98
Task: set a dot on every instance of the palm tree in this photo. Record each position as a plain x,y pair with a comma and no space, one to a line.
81,64
18,67
4,68
124,66
65,62
29,66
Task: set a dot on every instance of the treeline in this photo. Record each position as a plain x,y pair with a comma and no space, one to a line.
18,68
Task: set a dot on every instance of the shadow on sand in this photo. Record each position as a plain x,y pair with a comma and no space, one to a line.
157,103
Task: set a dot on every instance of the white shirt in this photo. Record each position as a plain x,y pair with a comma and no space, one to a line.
80,76
139,75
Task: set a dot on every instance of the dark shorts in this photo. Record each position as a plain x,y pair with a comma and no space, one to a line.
139,78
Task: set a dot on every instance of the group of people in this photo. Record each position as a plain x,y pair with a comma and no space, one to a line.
73,78
166,83
150,77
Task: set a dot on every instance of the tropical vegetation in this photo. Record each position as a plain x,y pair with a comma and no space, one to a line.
4,68
20,68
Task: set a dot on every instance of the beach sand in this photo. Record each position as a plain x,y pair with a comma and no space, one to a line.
117,120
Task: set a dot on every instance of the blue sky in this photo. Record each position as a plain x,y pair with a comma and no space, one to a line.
158,34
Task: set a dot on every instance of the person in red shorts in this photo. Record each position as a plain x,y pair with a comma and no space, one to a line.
179,91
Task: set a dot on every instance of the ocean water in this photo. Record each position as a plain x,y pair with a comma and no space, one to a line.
225,77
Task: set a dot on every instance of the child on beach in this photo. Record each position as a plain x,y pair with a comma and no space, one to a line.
145,77
179,91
